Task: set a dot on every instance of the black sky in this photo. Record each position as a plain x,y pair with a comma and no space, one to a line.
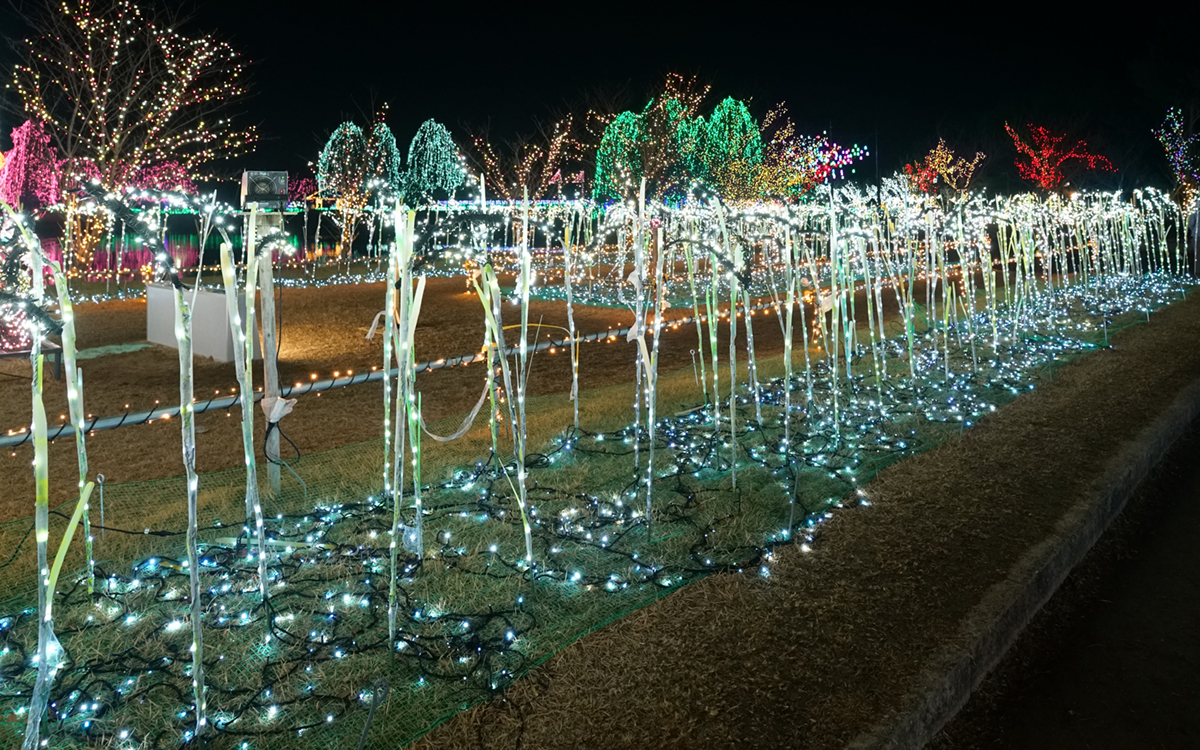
895,81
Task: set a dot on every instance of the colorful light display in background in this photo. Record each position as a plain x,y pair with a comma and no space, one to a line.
688,210
671,142
675,149
986,291
1179,141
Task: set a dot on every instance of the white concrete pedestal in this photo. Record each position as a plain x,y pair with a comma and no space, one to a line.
211,336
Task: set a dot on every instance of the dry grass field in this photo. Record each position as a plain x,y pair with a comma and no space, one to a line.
322,333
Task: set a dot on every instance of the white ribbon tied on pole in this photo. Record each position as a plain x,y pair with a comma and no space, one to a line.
375,324
276,408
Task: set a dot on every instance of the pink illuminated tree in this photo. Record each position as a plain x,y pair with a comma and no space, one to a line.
169,175
31,168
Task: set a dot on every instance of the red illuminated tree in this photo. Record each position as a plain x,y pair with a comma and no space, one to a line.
922,176
1040,162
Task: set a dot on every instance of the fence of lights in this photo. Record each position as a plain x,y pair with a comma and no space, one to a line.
914,316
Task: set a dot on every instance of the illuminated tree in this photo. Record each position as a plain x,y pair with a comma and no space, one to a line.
673,147
15,302
383,172
434,163
31,169
665,143
1179,142
341,175
529,165
355,169
353,166
122,91
728,146
619,155
1040,162
922,175
790,167
169,176
342,163
942,166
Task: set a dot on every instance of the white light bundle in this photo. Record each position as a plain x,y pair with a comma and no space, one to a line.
187,426
243,353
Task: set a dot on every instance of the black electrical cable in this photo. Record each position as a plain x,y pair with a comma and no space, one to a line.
277,459
379,691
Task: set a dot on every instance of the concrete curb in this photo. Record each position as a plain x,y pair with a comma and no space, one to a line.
995,622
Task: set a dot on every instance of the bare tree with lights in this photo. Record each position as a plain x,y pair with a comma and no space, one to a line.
122,92
531,165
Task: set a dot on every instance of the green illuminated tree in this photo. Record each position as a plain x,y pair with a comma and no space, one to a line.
341,172
670,145
619,158
342,162
435,166
728,145
383,171
653,144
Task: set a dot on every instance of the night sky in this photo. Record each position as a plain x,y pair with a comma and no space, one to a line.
894,82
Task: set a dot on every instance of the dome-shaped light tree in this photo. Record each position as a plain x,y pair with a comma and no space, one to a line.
384,174
619,158
340,176
730,148
435,166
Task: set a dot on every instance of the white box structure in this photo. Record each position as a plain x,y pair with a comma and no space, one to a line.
211,336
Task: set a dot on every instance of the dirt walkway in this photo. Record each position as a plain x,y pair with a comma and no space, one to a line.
831,641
